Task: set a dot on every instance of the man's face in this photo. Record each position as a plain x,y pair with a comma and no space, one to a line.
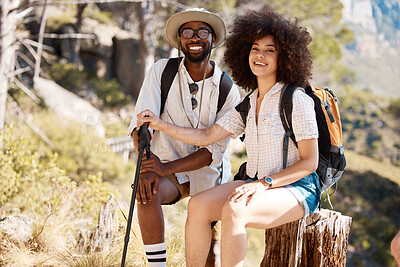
195,48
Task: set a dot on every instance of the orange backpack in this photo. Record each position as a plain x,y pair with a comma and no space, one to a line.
332,161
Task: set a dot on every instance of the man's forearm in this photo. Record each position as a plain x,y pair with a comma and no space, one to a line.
194,161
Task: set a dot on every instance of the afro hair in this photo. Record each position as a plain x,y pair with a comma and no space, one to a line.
291,40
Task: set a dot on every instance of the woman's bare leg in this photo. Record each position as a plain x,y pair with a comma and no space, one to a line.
204,208
269,209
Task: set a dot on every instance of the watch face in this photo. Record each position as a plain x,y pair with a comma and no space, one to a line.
268,180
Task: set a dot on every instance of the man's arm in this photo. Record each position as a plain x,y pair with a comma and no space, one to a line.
150,94
194,161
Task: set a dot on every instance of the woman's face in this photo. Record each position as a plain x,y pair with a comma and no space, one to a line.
263,58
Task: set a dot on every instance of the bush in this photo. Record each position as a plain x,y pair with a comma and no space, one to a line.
68,76
80,151
8,181
101,16
30,182
55,23
394,107
110,92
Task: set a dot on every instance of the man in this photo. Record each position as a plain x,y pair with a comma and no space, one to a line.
177,170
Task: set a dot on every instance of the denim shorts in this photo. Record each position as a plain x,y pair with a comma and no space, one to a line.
306,190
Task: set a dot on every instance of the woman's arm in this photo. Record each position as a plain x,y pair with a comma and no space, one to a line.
198,137
308,163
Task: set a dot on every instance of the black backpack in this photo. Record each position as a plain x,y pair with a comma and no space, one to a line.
169,74
331,161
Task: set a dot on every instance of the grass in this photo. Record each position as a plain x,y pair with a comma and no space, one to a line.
361,163
66,239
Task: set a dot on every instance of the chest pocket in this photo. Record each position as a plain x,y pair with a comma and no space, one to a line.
271,124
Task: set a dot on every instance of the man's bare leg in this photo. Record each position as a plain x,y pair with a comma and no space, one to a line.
151,221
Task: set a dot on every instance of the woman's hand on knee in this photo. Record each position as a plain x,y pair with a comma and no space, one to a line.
247,192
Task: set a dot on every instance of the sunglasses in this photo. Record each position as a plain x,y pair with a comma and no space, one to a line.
201,33
193,88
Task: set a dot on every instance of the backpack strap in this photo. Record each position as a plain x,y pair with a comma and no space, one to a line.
285,112
225,86
243,109
167,78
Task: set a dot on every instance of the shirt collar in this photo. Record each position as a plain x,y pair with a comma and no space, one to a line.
275,89
215,78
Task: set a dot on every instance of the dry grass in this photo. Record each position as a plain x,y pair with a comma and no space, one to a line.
65,239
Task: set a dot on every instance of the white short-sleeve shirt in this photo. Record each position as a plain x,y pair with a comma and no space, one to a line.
264,142
178,110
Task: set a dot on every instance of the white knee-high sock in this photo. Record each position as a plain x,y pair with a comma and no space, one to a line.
156,255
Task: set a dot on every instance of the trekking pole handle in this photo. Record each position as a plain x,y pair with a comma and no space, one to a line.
143,142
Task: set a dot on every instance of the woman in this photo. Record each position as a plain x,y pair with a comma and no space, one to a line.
264,52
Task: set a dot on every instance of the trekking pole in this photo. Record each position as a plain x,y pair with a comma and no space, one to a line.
143,144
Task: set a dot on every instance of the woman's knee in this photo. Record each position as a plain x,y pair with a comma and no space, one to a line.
395,246
197,205
233,211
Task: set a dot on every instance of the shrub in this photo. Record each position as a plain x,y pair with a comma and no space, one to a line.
80,151
35,184
101,16
54,23
394,107
8,181
68,76
110,92
30,182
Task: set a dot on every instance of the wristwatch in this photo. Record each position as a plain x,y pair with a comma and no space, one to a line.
269,181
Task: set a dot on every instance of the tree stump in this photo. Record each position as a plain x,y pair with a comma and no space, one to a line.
321,239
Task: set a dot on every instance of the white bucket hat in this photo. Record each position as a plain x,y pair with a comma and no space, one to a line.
196,14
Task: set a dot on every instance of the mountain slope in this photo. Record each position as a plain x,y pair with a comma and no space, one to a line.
375,53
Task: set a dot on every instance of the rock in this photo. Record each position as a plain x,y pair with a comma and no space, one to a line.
111,52
66,104
126,65
18,228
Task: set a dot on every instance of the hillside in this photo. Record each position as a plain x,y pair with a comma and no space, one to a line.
369,127
375,53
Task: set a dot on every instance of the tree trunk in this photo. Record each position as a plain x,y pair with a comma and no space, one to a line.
319,240
144,12
7,51
40,41
77,42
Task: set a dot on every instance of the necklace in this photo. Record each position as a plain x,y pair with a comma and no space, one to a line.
201,97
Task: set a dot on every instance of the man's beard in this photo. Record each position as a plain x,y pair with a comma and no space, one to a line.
198,57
